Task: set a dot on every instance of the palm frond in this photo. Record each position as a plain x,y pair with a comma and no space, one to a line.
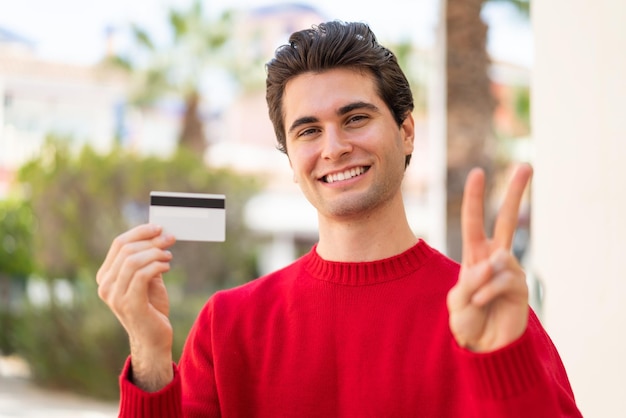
522,6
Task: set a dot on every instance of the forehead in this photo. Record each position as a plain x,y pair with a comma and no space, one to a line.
315,93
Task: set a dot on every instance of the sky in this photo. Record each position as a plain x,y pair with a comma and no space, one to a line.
74,30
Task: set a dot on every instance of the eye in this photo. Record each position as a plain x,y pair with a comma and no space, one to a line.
307,132
357,120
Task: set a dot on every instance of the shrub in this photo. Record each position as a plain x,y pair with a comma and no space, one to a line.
82,347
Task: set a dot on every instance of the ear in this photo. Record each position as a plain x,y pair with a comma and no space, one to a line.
407,132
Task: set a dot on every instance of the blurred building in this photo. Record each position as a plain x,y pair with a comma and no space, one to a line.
79,104
39,98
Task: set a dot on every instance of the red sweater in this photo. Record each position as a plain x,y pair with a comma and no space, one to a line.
330,339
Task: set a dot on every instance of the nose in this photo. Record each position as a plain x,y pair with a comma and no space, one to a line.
335,145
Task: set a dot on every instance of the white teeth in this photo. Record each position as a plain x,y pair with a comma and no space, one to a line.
348,174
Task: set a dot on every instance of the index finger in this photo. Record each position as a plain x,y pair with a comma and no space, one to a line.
472,216
138,233
506,222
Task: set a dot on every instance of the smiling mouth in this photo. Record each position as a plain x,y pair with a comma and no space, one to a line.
344,175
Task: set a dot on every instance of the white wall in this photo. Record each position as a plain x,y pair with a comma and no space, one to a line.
579,192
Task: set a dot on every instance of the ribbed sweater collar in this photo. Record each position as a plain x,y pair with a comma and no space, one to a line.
369,272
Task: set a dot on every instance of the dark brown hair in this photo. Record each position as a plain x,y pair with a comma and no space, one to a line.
332,45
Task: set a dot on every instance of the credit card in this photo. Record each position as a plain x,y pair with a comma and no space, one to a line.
189,216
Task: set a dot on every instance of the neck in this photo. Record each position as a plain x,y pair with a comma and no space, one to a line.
372,236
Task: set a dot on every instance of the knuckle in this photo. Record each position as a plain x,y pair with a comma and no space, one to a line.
506,281
103,292
100,276
118,241
118,305
142,274
452,298
131,261
154,269
126,250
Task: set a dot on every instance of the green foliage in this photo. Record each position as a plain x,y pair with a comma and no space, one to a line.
81,348
522,6
78,348
16,263
522,105
142,37
8,322
177,66
17,223
79,203
416,66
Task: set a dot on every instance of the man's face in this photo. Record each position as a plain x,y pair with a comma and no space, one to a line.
344,146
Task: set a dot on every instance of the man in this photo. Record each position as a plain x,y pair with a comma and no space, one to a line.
372,322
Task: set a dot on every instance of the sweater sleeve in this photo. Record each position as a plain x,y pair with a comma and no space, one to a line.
191,394
526,378
137,403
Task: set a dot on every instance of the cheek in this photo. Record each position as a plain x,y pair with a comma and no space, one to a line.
302,159
297,168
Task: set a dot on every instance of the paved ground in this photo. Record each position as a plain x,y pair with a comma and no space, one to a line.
19,398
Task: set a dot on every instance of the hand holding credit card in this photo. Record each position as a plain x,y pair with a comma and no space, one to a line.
189,216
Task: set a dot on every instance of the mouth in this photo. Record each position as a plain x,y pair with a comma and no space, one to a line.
344,175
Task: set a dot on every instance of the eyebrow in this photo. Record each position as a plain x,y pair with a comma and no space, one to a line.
355,106
341,111
302,121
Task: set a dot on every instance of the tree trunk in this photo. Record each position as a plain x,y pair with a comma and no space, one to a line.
470,107
192,134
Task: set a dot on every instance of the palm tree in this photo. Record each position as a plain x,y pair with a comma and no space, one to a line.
178,68
470,105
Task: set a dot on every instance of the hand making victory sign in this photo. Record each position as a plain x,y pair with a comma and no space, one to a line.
489,304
